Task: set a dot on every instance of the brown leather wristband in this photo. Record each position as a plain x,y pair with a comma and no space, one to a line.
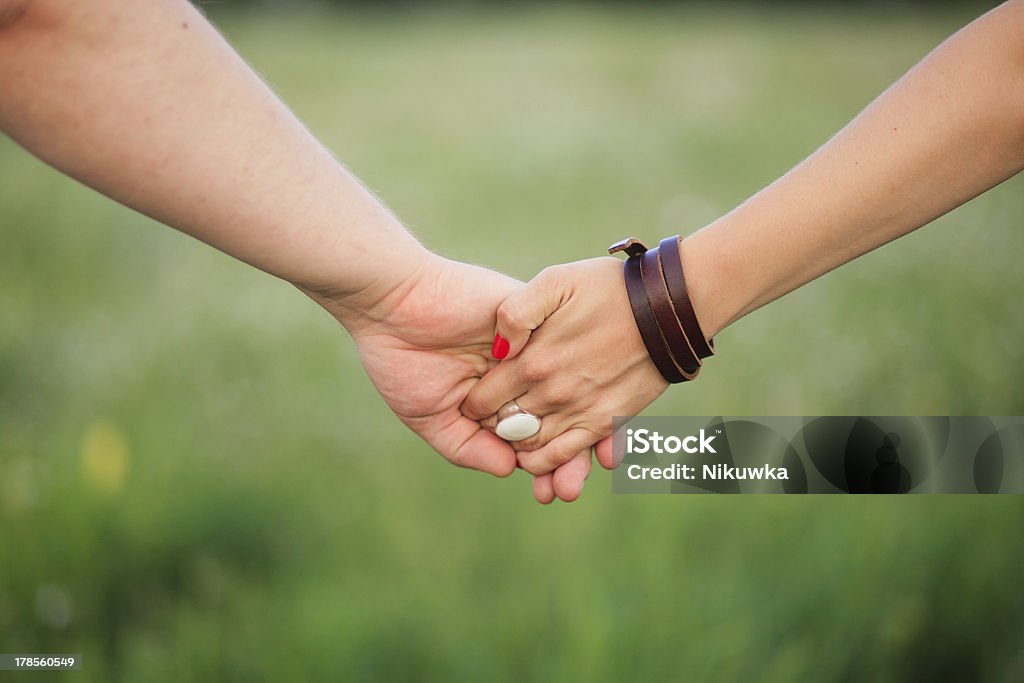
642,312
671,331
672,267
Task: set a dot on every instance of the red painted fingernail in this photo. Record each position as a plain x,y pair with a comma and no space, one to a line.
500,348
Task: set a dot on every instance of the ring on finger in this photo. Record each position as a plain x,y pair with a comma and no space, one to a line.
516,424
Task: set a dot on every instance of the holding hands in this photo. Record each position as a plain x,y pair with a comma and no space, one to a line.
148,104
426,343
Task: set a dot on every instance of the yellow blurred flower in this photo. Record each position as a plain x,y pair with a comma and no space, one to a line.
105,456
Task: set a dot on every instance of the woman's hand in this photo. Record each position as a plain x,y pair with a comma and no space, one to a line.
585,364
424,343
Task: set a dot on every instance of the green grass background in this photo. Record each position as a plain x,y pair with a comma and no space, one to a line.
197,482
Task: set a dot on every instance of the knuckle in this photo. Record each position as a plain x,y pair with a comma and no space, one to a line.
546,460
547,273
562,455
510,318
551,276
473,408
536,467
531,443
457,458
560,394
534,368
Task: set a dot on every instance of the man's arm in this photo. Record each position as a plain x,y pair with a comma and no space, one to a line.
146,102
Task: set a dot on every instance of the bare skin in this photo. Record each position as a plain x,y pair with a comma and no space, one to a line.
146,103
950,129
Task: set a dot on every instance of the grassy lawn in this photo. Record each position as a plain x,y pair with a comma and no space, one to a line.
197,482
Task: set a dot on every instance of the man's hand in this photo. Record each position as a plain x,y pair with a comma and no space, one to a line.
424,344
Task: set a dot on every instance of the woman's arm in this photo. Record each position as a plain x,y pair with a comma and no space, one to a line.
950,129
145,102
947,131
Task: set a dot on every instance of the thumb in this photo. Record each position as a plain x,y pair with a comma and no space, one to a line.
525,310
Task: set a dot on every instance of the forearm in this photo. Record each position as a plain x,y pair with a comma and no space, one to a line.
950,129
146,103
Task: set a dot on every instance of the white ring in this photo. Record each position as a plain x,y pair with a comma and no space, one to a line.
515,424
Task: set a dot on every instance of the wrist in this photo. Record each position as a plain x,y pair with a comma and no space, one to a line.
396,272
716,295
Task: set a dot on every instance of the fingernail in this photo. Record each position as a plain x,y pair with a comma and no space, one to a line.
500,348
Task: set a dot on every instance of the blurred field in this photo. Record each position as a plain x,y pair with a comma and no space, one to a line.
197,482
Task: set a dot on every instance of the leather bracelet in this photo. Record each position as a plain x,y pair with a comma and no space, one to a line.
675,281
643,315
671,330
